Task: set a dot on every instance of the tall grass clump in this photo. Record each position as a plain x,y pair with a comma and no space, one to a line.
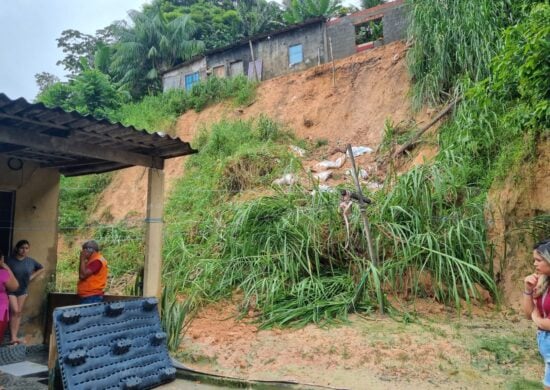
433,229
228,232
234,160
451,40
285,252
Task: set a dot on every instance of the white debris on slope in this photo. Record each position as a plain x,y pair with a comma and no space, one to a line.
287,179
327,164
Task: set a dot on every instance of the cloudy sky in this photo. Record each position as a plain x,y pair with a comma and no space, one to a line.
28,32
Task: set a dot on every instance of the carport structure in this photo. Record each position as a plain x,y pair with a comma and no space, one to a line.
39,144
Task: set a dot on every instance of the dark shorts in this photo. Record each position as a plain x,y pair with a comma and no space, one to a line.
91,299
18,293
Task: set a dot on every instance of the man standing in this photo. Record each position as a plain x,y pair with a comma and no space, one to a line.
92,273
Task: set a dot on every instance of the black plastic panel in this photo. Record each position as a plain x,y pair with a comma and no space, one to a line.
112,345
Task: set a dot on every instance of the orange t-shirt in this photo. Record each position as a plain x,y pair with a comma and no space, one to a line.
95,283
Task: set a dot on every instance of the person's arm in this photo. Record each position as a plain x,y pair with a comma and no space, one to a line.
38,270
90,268
11,284
542,323
527,303
83,273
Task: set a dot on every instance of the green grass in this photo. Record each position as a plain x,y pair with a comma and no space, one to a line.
160,112
284,250
454,41
77,199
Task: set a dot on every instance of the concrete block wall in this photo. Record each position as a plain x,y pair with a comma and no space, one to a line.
395,23
342,34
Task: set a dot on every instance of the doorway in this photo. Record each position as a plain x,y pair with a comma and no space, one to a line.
7,207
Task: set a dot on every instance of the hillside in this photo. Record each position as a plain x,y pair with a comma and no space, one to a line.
426,345
370,88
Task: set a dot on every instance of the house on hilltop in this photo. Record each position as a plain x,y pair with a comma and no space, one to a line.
294,48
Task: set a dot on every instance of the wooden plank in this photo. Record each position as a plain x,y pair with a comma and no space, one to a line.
32,139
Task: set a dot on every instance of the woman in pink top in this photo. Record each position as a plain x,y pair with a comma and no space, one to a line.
7,283
536,302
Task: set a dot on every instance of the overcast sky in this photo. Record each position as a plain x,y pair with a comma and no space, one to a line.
28,32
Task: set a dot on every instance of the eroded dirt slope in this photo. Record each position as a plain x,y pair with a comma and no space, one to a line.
368,88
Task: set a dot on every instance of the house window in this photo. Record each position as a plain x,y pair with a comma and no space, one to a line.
295,54
190,80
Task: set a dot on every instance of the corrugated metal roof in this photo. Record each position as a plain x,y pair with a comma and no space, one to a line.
76,144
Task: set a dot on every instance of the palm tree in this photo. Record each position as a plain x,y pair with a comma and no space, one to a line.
258,16
299,10
149,45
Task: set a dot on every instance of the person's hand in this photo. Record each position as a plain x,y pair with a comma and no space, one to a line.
83,255
3,265
530,282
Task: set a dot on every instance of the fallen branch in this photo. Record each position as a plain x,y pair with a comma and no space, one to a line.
414,139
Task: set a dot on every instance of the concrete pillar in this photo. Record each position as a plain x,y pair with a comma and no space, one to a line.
153,233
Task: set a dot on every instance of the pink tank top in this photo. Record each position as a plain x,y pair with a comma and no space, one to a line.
4,301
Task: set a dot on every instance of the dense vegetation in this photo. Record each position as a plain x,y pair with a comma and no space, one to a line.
127,58
286,253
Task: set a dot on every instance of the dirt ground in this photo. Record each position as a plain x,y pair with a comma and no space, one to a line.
424,345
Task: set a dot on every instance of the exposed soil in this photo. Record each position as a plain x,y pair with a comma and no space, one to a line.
370,87
433,349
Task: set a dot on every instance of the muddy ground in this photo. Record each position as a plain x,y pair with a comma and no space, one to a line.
421,346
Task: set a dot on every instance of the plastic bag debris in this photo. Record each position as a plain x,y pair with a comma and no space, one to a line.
374,186
359,150
287,179
322,188
323,175
362,174
327,164
297,151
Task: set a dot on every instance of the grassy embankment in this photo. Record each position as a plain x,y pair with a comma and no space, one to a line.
285,252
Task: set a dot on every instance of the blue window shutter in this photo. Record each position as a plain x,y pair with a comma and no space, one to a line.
190,80
295,54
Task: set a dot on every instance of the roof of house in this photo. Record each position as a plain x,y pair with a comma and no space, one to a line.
78,144
243,42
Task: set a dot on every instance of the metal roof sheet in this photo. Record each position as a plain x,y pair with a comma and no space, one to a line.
78,144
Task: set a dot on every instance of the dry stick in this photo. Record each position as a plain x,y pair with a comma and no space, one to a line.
333,67
253,61
366,225
423,130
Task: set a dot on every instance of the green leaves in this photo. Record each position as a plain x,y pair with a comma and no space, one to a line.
302,10
91,92
451,41
150,45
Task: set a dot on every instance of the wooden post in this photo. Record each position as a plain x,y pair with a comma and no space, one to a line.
253,61
372,253
366,225
153,233
333,67
52,360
